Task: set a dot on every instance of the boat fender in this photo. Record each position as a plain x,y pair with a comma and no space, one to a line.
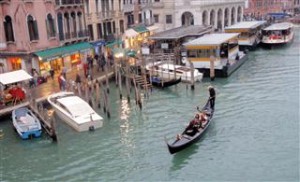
91,128
1,134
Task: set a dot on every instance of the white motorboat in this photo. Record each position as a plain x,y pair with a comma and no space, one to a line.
26,123
278,33
167,70
75,111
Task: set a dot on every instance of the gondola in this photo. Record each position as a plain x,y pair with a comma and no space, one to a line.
159,82
187,138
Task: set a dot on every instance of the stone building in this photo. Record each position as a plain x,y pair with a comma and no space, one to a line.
41,35
168,14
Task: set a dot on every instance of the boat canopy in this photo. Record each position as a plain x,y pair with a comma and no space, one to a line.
279,26
14,77
244,26
76,106
211,41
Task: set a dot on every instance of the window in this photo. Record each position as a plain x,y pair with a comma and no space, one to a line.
114,27
9,33
100,33
156,0
156,18
168,19
50,26
32,28
140,17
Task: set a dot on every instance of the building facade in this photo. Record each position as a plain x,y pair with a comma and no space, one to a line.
258,9
168,14
29,28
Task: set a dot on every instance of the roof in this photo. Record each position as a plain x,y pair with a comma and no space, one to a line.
212,39
279,26
49,54
181,32
140,29
76,106
131,33
14,77
245,25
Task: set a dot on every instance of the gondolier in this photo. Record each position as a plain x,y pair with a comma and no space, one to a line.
212,96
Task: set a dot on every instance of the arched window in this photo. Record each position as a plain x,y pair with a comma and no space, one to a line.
9,33
32,28
50,26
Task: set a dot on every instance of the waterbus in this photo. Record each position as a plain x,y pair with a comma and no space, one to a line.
218,49
278,33
250,33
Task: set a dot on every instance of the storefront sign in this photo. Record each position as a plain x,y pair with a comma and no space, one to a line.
145,50
165,46
3,45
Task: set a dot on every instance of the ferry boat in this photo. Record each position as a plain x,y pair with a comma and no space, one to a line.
166,70
219,50
74,111
250,33
278,33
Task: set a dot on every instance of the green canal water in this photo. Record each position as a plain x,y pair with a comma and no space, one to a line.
254,135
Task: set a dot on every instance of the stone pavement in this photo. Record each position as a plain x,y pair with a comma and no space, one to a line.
51,86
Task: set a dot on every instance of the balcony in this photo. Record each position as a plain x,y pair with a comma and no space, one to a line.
68,3
157,5
28,1
74,36
128,8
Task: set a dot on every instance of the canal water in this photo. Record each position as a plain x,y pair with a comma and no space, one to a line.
254,135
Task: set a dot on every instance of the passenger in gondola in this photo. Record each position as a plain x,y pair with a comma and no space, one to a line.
193,126
212,96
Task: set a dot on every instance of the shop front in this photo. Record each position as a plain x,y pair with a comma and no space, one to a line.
69,57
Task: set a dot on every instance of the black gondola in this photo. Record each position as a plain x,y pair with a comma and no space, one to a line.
159,82
187,138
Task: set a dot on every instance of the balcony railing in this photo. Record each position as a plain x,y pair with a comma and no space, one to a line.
68,2
73,35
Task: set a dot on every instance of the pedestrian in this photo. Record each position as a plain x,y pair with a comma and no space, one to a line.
212,96
63,82
52,73
102,63
64,72
85,69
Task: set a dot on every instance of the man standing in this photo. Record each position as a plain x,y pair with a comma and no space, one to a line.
212,96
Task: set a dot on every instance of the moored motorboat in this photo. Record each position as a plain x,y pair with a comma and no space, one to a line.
75,111
163,83
166,70
26,123
189,137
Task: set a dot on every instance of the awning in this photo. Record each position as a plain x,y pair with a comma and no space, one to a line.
152,28
50,54
14,77
124,52
131,33
98,43
140,29
112,44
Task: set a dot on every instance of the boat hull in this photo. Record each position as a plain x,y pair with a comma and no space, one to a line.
186,140
165,83
227,70
84,122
